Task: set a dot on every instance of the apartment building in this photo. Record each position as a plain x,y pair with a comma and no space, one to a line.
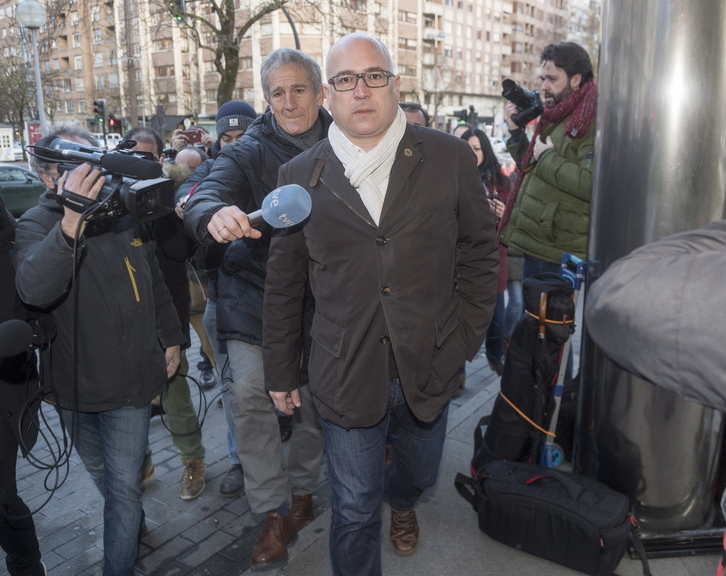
147,65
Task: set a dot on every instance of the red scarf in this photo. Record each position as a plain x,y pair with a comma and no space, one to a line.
580,106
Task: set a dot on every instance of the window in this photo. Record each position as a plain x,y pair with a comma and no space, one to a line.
163,44
69,107
74,18
211,95
100,81
95,14
247,62
97,59
97,39
78,62
56,64
112,57
113,80
80,84
76,40
81,106
67,85
164,71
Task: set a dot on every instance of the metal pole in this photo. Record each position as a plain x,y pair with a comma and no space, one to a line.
38,83
659,169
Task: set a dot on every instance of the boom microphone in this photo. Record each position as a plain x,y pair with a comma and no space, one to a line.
16,336
283,207
131,166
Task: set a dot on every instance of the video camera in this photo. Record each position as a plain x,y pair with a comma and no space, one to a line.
133,183
528,102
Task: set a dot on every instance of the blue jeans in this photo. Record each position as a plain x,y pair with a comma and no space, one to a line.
515,306
112,445
225,373
359,482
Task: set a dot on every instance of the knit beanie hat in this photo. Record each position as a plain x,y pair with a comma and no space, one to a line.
234,115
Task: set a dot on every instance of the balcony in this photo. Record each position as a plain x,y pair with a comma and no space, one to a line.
433,8
433,34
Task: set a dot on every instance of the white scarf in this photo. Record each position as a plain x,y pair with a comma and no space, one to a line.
369,172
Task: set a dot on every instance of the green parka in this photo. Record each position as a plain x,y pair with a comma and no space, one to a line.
552,210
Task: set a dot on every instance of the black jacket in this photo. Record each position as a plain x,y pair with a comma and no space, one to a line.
242,175
125,317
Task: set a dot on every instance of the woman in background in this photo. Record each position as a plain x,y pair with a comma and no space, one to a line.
497,185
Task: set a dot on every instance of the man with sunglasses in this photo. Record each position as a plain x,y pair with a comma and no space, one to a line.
397,208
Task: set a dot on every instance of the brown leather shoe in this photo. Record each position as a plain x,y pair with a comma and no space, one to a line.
271,549
301,511
404,531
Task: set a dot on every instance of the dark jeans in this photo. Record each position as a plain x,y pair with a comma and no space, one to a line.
494,343
112,445
17,531
359,482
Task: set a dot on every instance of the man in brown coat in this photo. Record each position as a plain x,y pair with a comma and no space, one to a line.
392,203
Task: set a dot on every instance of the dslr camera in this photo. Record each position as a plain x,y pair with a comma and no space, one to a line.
133,183
528,102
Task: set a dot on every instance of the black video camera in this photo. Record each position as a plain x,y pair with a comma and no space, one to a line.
528,102
133,183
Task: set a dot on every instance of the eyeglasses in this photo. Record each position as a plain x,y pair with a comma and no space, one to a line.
372,79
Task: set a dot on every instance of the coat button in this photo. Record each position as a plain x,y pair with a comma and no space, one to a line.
381,240
386,290
384,340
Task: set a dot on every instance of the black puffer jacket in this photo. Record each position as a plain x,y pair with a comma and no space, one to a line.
242,175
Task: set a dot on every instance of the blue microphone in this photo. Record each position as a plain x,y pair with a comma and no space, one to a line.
283,207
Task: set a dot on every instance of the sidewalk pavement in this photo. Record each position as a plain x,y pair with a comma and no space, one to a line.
214,536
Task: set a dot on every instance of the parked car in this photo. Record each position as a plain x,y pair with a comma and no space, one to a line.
19,188
18,152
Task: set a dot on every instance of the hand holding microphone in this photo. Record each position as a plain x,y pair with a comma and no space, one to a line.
281,208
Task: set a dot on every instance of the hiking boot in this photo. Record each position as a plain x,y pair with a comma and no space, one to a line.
192,483
404,531
271,549
301,511
233,483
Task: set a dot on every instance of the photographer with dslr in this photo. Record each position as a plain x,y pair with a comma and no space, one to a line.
547,211
117,341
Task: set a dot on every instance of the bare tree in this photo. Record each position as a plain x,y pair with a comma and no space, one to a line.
220,29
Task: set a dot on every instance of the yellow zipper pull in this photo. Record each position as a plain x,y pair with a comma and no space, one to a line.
131,270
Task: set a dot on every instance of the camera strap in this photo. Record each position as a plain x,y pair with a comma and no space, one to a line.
74,201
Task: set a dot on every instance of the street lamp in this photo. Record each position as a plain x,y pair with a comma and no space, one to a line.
31,15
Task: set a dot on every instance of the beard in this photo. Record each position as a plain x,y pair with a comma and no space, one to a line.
552,100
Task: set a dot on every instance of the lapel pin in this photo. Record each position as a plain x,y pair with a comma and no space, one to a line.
408,152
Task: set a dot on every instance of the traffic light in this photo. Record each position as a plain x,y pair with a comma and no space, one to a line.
99,110
113,124
461,115
178,9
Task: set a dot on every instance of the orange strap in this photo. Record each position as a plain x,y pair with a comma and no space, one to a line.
523,415
550,321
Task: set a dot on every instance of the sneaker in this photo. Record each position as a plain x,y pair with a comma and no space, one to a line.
207,380
148,473
233,483
192,483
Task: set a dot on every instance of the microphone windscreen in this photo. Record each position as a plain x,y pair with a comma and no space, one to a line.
286,206
131,166
16,336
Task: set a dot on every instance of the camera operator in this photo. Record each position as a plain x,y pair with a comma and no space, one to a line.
547,212
117,342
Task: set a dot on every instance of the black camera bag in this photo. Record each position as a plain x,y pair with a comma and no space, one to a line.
559,516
